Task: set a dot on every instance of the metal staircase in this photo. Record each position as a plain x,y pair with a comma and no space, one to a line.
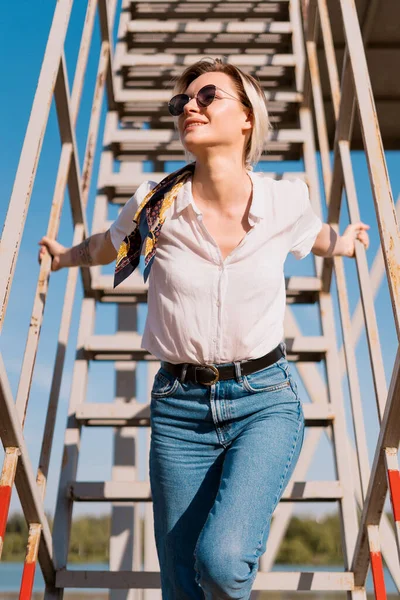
282,43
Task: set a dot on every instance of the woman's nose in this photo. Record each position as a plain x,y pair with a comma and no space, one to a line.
191,105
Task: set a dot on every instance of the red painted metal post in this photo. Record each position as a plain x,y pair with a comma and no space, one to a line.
6,483
376,562
28,574
394,486
393,479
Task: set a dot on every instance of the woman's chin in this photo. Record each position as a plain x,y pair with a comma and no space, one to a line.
193,145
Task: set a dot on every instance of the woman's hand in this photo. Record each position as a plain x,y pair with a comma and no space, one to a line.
55,250
328,243
96,249
356,231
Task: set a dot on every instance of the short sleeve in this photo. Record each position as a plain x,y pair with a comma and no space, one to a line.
124,225
307,226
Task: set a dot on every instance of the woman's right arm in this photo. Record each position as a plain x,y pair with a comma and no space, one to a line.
97,249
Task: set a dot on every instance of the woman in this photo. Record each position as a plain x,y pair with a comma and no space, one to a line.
226,418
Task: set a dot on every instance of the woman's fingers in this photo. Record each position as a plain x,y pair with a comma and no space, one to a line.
363,237
45,245
42,253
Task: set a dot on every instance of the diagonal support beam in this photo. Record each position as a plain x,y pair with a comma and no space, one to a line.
12,436
389,437
28,162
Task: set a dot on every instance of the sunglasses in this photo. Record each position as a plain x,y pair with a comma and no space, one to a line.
204,97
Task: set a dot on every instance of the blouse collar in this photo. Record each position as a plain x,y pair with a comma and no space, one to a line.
257,208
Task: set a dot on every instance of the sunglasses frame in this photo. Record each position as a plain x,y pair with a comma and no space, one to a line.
189,98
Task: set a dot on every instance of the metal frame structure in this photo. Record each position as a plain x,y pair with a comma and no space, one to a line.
53,82
155,42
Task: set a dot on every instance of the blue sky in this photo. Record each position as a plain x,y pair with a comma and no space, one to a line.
19,76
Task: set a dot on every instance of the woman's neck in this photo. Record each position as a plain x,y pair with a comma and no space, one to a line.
221,183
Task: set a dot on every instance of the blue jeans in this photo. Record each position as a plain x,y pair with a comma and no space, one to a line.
220,459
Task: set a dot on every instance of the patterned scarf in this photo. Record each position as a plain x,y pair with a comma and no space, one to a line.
149,218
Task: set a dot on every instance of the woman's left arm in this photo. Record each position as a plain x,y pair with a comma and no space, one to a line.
329,243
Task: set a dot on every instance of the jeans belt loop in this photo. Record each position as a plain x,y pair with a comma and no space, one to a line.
238,371
183,372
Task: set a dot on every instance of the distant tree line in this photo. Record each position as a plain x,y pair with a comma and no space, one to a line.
307,541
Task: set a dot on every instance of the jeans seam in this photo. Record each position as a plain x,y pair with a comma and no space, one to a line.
198,575
227,410
288,463
169,392
293,385
272,387
228,407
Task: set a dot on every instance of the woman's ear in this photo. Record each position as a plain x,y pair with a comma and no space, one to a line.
249,119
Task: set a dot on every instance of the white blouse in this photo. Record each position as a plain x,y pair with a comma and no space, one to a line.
203,309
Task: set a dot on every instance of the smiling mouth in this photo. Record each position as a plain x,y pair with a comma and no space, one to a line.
193,125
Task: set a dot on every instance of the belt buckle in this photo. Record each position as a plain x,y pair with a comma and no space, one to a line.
215,371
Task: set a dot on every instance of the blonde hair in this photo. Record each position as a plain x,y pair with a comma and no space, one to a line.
249,92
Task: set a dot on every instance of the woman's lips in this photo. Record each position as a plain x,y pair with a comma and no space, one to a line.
192,126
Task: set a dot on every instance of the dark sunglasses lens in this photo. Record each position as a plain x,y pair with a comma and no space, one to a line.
177,103
206,95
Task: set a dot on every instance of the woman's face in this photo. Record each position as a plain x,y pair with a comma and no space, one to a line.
225,123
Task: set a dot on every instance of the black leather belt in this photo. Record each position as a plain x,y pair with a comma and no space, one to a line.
209,374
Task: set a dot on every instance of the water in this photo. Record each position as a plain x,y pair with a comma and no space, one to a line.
10,580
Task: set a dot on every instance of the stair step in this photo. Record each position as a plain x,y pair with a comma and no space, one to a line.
153,100
131,290
165,60
134,140
317,581
150,77
280,115
208,42
172,9
276,153
153,75
126,346
151,107
147,142
114,414
194,26
121,186
139,491
299,290
137,414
